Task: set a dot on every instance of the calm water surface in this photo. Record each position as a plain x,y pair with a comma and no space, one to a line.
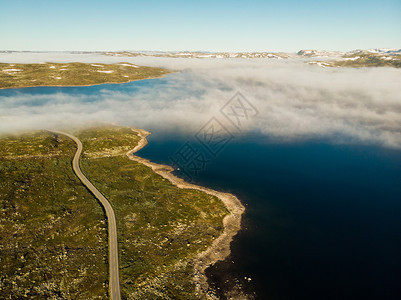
322,220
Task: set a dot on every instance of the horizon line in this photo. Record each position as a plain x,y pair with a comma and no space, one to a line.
196,51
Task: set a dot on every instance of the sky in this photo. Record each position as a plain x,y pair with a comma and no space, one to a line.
288,25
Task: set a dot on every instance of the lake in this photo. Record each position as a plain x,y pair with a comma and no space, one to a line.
322,219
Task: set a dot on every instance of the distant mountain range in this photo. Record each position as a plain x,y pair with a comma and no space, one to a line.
274,55
381,57
318,53
187,54
356,58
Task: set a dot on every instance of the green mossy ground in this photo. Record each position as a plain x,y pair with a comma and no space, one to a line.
161,228
72,74
53,238
368,60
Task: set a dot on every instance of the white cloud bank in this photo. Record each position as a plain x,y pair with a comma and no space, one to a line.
295,100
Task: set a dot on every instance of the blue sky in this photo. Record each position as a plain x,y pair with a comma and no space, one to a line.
199,25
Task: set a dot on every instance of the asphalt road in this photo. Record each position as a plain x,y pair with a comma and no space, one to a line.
114,283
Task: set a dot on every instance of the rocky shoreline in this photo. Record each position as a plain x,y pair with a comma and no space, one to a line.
220,248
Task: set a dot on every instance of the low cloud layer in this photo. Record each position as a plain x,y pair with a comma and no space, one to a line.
296,101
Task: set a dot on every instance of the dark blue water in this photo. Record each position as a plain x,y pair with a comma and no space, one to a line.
322,220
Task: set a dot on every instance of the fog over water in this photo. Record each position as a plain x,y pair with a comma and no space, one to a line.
322,216
295,100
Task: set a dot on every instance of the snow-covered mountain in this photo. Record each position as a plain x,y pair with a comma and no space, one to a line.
187,54
378,52
386,51
319,53
323,53
357,58
310,53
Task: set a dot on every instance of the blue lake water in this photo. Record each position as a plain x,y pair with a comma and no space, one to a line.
322,220
131,87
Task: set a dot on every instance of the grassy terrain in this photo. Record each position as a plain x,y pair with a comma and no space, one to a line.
160,227
359,60
72,74
53,239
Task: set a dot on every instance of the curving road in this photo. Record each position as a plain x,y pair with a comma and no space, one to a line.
113,248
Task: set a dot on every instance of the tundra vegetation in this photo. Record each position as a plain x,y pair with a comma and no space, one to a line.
364,60
73,74
53,238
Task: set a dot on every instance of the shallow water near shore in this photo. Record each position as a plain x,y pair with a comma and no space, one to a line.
322,220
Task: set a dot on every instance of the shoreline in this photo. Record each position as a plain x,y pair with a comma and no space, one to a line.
95,84
220,248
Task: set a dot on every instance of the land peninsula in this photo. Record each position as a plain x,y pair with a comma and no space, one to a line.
54,232
73,74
